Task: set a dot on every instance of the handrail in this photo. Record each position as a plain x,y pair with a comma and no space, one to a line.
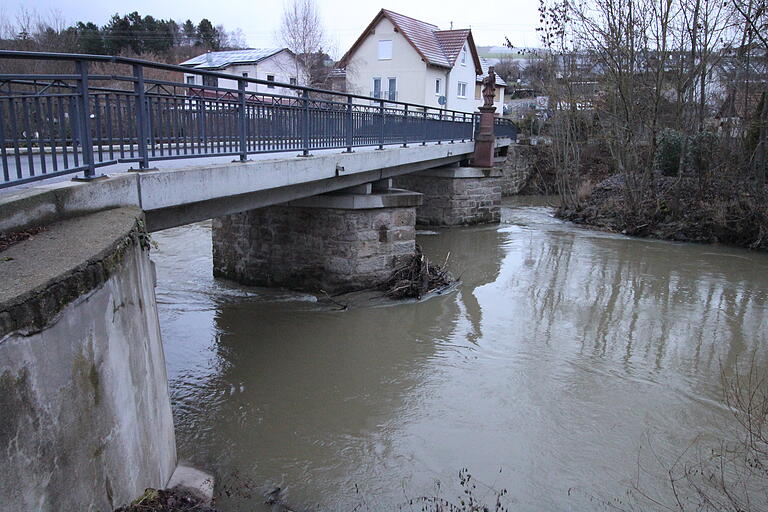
14,54
53,124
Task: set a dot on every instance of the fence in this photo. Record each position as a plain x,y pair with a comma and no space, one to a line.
53,124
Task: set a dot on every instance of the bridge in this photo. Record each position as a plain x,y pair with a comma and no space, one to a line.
308,189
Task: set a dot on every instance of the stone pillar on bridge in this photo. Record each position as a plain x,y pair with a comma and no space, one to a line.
337,242
456,196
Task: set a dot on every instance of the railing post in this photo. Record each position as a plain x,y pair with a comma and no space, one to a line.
424,138
86,141
440,127
241,118
381,128
141,116
453,126
350,124
463,123
405,127
305,124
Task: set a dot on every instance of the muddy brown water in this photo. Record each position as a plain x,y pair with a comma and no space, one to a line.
567,363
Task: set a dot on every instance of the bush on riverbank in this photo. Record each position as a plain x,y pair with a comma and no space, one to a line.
678,208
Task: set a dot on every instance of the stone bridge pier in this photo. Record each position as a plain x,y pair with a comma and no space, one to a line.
337,242
456,195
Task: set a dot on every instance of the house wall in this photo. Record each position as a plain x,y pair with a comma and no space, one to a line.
283,65
462,73
405,65
432,74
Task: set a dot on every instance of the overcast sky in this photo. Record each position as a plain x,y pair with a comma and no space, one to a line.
344,20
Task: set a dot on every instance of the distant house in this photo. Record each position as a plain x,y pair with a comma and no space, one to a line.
404,59
270,64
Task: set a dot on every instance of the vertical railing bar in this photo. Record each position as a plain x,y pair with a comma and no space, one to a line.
120,129
63,131
28,136
381,127
76,128
305,124
440,127
40,136
3,150
85,119
99,138
453,126
180,127
15,137
108,112
142,116
405,126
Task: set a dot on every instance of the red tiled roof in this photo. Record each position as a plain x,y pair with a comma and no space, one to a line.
436,47
452,41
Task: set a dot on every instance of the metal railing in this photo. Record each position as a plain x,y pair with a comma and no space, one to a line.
53,124
505,128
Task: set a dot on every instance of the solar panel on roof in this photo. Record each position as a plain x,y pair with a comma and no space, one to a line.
214,60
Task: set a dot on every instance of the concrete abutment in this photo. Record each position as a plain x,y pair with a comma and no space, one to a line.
85,415
333,242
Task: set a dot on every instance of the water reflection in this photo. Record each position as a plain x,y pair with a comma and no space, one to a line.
556,356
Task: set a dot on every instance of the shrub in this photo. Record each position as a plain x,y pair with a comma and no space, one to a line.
667,158
700,152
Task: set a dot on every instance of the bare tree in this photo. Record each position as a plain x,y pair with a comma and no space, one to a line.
301,31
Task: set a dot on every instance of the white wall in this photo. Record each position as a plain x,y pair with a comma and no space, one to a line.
283,66
405,65
433,73
462,73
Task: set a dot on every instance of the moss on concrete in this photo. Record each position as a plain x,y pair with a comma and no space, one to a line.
106,236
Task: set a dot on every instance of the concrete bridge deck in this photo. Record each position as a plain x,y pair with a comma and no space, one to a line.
180,195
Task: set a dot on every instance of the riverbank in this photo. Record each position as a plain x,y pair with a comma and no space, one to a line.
677,208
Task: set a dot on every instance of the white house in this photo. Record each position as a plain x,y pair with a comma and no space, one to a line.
404,59
270,64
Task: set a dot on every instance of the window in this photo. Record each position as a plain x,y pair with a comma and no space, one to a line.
392,96
376,93
437,86
210,81
462,92
270,78
191,80
293,80
385,50
464,57
245,75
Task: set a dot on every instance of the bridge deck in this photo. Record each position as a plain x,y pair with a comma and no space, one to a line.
173,196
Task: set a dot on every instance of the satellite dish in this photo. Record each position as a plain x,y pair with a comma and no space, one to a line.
441,100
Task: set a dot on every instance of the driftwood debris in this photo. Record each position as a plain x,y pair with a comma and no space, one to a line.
417,277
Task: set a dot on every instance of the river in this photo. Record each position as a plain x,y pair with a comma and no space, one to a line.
567,363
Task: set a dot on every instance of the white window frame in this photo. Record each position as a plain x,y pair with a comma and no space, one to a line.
389,97
245,74
463,56
438,86
270,78
461,91
385,50
293,80
373,86
191,80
